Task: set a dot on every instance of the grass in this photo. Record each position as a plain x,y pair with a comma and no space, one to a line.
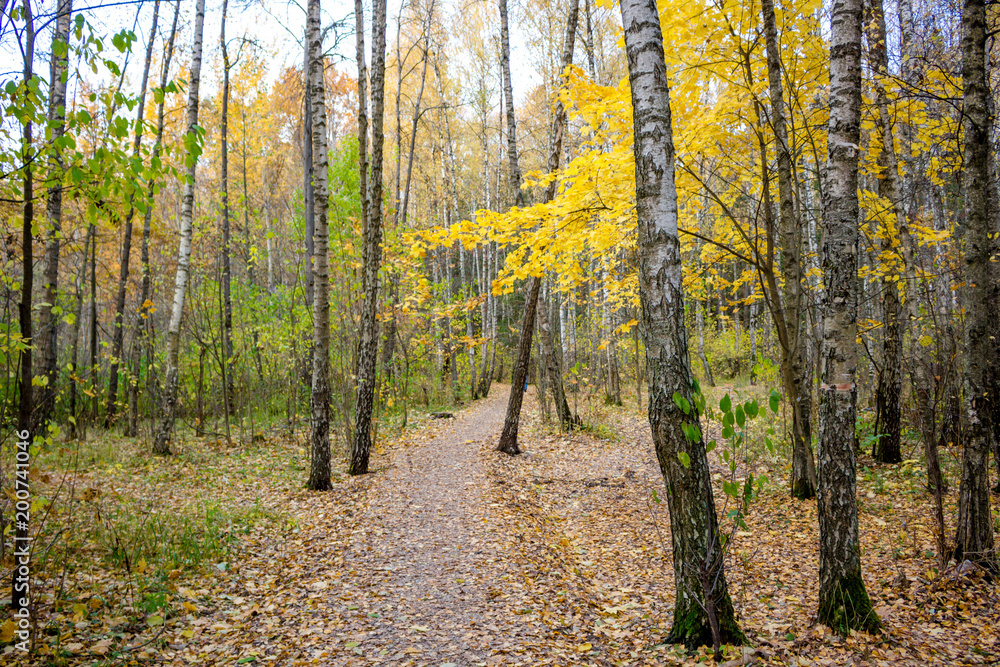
118,529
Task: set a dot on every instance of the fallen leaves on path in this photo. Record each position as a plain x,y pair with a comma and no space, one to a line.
454,554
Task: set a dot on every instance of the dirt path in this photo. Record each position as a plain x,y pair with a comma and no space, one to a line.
428,574
401,567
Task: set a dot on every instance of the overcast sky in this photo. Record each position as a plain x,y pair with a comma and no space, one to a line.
276,25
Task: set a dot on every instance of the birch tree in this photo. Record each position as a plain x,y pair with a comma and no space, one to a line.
788,316
371,254
698,618
143,333
843,601
974,539
48,322
319,467
118,335
192,140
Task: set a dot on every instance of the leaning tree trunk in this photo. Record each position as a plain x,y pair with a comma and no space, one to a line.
142,325
161,443
974,540
508,437
48,322
698,618
794,369
843,601
118,334
319,467
371,256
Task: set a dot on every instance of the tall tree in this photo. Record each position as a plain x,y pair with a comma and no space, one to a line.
974,539
48,322
144,321
889,391
788,316
20,602
227,296
319,468
508,436
508,99
700,615
843,601
118,334
161,443
371,255
567,419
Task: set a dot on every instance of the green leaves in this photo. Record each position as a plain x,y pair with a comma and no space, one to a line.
682,403
684,459
773,401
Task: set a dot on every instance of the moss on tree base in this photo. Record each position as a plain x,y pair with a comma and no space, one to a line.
846,606
692,629
802,489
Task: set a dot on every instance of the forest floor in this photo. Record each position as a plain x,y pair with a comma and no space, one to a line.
451,554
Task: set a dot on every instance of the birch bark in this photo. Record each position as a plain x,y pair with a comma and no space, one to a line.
843,601
319,439
694,527
161,442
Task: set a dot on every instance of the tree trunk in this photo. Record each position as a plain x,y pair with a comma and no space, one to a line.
974,540
118,335
508,437
508,99
76,423
94,367
48,322
143,321
371,256
22,546
319,467
694,527
228,389
700,322
843,601
794,369
889,392
161,444
359,39
307,175
553,376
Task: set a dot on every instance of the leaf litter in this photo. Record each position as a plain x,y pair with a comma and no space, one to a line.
454,554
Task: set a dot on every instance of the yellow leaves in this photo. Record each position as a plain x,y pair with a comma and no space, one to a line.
7,632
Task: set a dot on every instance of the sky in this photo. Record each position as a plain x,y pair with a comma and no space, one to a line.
276,25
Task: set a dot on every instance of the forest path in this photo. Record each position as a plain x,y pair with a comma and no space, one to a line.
427,570
404,566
